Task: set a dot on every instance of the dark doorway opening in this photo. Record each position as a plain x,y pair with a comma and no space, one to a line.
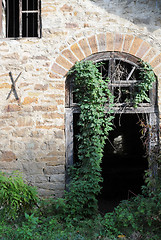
124,162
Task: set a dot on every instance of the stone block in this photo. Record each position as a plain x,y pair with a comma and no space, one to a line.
85,47
77,51
135,45
66,8
127,43
55,161
51,186
93,44
63,62
25,121
57,69
57,178
118,42
29,100
69,55
45,108
150,55
50,170
156,61
41,87
7,156
33,168
110,41
101,42
12,108
41,179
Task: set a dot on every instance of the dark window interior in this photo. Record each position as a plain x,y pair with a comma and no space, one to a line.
12,18
29,18
29,5
29,25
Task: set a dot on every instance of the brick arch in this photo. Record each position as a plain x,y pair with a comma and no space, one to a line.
103,42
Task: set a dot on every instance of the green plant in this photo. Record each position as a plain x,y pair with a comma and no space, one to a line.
136,215
91,93
148,77
16,197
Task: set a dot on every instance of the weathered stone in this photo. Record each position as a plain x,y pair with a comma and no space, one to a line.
33,168
12,108
57,178
51,186
24,121
66,8
50,170
45,108
59,134
53,115
29,100
41,87
93,44
7,156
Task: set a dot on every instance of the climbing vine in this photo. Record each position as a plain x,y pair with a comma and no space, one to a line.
148,77
91,94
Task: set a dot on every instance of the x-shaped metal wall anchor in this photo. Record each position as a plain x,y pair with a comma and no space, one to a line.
13,86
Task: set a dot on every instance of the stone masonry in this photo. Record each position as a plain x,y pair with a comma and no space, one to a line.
33,127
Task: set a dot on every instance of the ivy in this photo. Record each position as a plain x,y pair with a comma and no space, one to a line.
92,94
148,77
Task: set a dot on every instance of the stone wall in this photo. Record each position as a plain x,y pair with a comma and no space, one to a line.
32,128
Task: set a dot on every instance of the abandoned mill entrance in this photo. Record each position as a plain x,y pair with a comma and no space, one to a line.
124,161
125,154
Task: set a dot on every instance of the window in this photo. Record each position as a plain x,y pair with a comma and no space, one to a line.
22,18
124,73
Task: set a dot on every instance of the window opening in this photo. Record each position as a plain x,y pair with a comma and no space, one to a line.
124,78
22,18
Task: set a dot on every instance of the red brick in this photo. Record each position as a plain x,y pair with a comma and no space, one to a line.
156,61
101,42
127,43
150,55
157,70
135,45
77,51
143,49
57,69
84,45
109,41
93,44
63,62
69,55
118,42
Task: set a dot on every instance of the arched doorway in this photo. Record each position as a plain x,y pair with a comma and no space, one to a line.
121,163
